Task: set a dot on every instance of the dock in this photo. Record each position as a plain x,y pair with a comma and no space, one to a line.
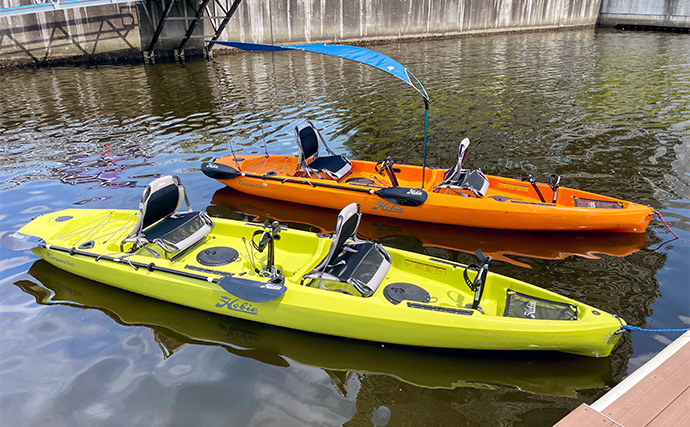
655,395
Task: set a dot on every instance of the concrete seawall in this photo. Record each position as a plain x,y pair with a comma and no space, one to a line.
280,21
123,31
74,35
646,13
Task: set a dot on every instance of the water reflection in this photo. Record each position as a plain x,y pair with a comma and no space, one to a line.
502,245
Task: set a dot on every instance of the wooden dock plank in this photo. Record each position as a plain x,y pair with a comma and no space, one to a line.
583,415
675,414
655,395
651,395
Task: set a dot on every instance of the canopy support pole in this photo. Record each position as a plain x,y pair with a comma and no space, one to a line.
426,127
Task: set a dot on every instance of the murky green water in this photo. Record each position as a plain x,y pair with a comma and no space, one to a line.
608,111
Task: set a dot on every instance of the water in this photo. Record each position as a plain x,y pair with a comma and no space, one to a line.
608,111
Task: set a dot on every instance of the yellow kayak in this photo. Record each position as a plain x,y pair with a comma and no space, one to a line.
174,327
330,284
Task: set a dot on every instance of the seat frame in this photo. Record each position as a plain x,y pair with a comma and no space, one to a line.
159,218
345,240
458,178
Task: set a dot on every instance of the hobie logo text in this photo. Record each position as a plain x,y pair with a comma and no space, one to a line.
389,207
237,305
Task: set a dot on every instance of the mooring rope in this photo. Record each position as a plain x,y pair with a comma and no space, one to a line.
664,221
636,328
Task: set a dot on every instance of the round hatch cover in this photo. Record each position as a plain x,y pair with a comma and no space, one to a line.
215,256
398,292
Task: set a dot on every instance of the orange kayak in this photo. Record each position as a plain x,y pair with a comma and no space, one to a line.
456,196
394,191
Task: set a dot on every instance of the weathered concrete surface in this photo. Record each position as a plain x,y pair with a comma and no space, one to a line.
124,30
651,13
173,30
78,35
295,21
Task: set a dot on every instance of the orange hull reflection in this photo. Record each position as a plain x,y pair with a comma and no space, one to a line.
416,236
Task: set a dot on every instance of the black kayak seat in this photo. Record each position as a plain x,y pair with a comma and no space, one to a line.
457,178
159,221
309,142
352,265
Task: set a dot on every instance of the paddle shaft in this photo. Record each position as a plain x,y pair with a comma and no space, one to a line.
404,195
151,267
305,182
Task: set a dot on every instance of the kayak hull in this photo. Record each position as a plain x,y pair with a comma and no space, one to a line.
509,204
445,321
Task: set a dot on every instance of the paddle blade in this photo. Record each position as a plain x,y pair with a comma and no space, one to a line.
403,196
250,290
219,171
19,242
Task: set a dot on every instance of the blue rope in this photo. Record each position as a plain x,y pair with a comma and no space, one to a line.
635,328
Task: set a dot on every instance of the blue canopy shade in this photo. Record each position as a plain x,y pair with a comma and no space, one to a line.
353,53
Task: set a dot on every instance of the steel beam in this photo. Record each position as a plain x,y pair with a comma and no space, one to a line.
225,21
192,26
159,28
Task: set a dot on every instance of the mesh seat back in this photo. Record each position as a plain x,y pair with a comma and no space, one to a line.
161,198
346,227
351,264
307,142
165,197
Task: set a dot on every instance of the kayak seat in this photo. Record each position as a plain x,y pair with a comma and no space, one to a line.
352,266
309,142
457,178
159,222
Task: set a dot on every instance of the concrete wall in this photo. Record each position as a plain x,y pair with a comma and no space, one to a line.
288,21
124,30
107,32
653,13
